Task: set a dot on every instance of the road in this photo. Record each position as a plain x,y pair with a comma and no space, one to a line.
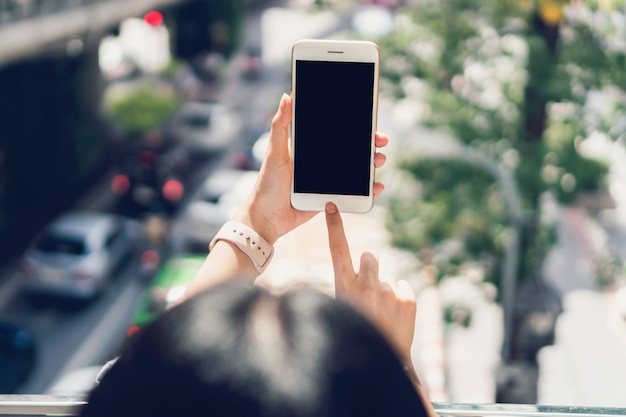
74,336
71,335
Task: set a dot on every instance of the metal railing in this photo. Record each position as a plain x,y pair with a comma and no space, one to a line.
15,10
52,405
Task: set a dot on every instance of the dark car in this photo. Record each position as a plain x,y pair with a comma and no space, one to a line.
18,354
148,180
251,64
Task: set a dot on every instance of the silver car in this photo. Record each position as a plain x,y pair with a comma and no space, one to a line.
214,203
204,128
77,254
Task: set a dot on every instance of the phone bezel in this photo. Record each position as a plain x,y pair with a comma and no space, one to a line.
335,51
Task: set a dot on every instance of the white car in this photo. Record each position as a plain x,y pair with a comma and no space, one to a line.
204,128
214,204
78,381
77,254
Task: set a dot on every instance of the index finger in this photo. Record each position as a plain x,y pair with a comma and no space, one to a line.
339,250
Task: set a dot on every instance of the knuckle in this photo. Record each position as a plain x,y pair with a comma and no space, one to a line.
386,290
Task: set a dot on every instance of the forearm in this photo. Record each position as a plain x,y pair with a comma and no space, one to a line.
226,261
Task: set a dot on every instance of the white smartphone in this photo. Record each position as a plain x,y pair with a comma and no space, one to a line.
334,87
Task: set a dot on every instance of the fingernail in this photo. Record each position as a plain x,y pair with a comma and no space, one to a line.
284,96
331,208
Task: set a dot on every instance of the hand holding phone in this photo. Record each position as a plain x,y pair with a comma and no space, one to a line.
335,104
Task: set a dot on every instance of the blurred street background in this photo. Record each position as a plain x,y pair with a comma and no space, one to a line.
505,183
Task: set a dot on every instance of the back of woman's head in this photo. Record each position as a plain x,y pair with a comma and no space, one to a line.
238,350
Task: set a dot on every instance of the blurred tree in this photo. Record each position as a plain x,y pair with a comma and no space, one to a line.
226,25
512,80
143,109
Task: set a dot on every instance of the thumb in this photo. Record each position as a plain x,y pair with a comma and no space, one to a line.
279,134
282,118
368,270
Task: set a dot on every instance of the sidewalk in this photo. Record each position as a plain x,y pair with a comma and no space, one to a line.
586,363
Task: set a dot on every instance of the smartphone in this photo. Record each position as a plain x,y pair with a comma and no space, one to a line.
334,87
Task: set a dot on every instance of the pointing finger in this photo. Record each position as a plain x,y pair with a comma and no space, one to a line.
339,250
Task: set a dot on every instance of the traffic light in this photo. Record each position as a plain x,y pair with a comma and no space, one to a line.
153,18
551,11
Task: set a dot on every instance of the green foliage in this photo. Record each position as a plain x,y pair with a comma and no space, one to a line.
171,68
498,80
580,174
142,110
226,19
452,221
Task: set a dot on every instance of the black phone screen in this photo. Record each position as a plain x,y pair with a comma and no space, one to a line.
333,127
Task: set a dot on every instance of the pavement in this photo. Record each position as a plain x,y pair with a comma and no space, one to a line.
587,362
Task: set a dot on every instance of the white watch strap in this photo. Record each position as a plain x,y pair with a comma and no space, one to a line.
248,241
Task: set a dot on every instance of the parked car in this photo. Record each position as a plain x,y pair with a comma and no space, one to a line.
213,204
77,254
150,181
168,285
204,128
18,354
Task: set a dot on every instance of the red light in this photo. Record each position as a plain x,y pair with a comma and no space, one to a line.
132,330
150,259
120,184
173,190
153,18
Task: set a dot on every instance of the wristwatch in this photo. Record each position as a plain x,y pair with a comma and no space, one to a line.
248,241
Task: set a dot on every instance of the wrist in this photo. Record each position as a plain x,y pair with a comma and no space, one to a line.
246,267
248,241
260,224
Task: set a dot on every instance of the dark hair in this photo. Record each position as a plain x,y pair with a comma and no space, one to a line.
239,350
